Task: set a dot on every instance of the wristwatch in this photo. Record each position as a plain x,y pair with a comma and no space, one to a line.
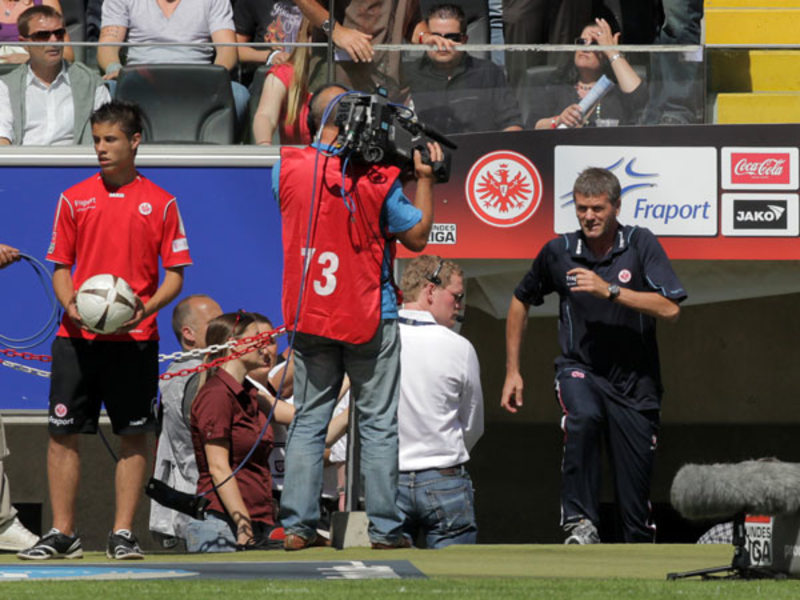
327,26
613,292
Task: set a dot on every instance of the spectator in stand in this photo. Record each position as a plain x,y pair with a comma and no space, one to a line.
11,52
48,102
357,25
677,97
175,463
284,99
540,22
455,92
13,535
147,22
624,103
272,22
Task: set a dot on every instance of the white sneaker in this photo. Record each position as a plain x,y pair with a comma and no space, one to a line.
581,532
14,536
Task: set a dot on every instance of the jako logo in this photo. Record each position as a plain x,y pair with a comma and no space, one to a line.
759,214
759,168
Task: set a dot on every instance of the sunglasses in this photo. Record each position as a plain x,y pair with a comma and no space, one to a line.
458,298
579,41
44,36
453,37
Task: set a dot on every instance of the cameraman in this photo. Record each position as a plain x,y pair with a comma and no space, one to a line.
347,318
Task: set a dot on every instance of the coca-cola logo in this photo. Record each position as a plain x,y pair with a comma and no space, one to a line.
760,168
770,166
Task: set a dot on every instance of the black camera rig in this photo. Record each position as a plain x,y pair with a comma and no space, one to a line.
376,131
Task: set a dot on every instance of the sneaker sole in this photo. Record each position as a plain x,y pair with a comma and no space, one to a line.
72,555
129,556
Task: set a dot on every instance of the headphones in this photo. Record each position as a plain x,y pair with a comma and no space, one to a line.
434,277
312,127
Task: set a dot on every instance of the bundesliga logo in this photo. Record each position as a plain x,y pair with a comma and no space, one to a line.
503,188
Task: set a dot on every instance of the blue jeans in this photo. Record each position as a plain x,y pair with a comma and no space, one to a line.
374,371
441,504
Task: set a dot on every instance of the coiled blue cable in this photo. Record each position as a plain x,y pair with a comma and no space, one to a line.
49,328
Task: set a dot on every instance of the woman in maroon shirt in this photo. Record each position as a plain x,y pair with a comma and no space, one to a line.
227,418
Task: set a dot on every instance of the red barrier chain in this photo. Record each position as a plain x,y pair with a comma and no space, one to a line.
250,343
26,355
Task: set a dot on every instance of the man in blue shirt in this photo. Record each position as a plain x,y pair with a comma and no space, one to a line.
613,282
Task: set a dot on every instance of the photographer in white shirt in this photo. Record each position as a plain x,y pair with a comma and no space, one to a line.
440,412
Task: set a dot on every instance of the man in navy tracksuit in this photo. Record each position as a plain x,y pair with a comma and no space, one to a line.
613,281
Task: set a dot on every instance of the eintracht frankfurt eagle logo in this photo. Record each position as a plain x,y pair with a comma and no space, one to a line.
503,189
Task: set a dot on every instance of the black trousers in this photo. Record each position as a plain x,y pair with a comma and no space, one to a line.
590,418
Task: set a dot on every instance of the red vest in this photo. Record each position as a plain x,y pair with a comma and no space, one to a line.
342,295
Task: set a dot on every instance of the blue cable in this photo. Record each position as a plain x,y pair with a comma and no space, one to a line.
41,336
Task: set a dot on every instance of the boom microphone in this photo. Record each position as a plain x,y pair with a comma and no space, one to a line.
724,490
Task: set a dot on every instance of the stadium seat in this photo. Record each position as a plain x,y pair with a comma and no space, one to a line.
181,103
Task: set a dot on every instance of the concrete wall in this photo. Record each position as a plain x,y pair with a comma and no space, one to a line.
728,370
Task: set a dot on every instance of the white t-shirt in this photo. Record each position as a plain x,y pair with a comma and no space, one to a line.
193,21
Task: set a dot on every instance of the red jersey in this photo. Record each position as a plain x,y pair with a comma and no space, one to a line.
122,232
342,295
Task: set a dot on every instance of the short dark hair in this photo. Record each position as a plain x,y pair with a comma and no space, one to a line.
448,11
25,18
125,114
182,313
316,110
594,182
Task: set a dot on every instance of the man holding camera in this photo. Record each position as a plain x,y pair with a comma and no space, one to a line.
341,304
613,282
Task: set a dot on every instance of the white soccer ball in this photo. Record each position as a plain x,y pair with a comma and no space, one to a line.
105,302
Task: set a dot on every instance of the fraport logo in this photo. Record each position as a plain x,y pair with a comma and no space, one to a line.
671,191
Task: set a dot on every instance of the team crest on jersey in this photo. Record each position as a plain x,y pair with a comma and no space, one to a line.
578,374
503,188
145,208
624,276
60,410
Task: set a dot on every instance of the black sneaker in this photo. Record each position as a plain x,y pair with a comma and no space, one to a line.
54,544
122,545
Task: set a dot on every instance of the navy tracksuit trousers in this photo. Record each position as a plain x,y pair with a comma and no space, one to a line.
590,417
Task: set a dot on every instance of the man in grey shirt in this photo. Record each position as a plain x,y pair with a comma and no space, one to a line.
175,459
156,21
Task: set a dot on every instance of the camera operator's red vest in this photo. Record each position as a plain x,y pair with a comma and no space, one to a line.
342,295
